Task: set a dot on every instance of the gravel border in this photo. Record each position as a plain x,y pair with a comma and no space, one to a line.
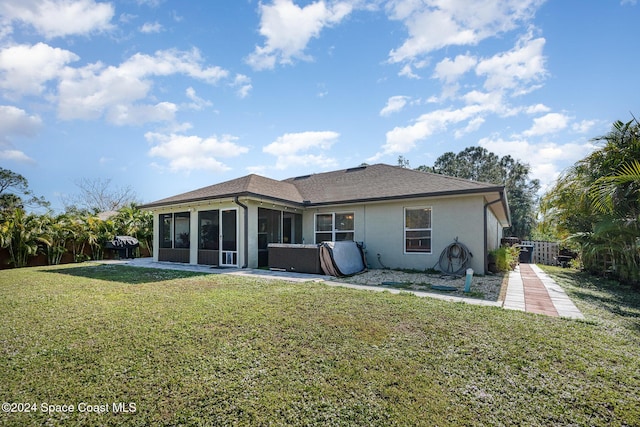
486,287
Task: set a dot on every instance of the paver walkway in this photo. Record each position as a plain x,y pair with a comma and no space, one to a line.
532,290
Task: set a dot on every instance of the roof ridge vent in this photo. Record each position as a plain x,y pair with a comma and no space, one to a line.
298,178
358,168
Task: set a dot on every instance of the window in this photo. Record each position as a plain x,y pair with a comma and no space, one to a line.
417,230
177,226
334,227
324,228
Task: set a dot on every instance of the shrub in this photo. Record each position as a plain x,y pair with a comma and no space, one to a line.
505,258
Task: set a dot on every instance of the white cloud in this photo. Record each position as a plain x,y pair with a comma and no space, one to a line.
404,139
126,18
16,156
394,105
515,69
16,121
407,71
187,153
549,123
505,74
122,115
295,142
435,24
197,103
473,125
547,159
151,28
242,84
584,126
491,100
172,61
290,147
288,29
450,71
59,18
150,3
538,108
95,90
24,69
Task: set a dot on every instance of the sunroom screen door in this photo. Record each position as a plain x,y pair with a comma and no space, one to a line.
229,238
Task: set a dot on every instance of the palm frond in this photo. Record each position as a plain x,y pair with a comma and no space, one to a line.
604,189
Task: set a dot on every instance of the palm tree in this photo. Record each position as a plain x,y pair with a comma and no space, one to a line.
20,233
131,221
596,204
78,235
57,231
621,187
98,232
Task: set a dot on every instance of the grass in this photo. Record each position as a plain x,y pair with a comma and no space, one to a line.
190,349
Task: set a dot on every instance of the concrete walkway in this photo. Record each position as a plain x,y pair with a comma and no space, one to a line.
207,269
529,288
532,290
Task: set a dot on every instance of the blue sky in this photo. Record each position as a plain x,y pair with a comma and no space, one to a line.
168,96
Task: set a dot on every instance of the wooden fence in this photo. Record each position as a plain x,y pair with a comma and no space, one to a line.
543,252
41,259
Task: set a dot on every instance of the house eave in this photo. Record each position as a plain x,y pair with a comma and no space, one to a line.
229,196
311,204
407,197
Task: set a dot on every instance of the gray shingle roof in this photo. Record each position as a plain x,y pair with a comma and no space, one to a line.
250,185
367,183
380,182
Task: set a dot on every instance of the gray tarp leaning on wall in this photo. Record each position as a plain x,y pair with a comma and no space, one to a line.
342,258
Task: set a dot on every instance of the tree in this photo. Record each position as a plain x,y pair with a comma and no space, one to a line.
618,187
20,234
56,232
478,164
403,162
99,195
98,233
131,221
15,192
596,204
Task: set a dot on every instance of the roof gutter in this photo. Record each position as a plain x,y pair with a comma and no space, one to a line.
246,230
486,237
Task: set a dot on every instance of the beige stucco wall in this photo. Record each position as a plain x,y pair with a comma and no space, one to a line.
381,227
494,231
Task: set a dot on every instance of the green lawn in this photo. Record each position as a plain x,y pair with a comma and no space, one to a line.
189,349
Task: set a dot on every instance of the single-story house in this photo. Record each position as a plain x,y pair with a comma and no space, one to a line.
404,218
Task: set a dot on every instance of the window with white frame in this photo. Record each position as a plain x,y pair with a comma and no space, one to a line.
417,230
333,227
